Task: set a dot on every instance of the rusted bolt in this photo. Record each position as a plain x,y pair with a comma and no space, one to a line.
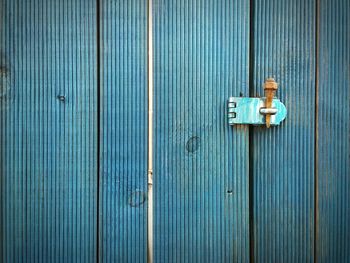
270,88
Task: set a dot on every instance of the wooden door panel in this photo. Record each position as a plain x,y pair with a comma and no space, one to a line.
283,157
48,130
201,163
333,144
123,139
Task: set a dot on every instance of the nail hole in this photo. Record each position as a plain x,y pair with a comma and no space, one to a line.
230,192
193,144
3,71
4,81
61,98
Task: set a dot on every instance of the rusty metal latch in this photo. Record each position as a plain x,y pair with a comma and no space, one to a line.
268,110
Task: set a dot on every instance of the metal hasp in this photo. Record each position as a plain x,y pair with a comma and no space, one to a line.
257,111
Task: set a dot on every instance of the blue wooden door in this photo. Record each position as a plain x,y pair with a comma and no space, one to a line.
300,175
74,77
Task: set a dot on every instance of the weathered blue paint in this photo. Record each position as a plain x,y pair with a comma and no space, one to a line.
333,144
48,130
283,157
248,111
200,166
123,171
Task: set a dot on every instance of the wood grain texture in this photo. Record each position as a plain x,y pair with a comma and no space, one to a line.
283,156
123,170
200,175
333,144
48,130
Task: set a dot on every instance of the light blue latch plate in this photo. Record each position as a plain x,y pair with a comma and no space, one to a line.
248,111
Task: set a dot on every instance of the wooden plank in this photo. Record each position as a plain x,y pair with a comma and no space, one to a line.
123,170
283,156
333,144
48,130
201,164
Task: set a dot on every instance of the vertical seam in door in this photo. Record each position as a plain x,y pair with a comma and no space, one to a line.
150,136
98,93
317,26
251,133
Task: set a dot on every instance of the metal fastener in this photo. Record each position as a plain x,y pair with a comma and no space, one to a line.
270,88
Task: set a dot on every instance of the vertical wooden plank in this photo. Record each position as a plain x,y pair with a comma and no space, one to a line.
333,144
123,171
201,164
48,130
283,156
